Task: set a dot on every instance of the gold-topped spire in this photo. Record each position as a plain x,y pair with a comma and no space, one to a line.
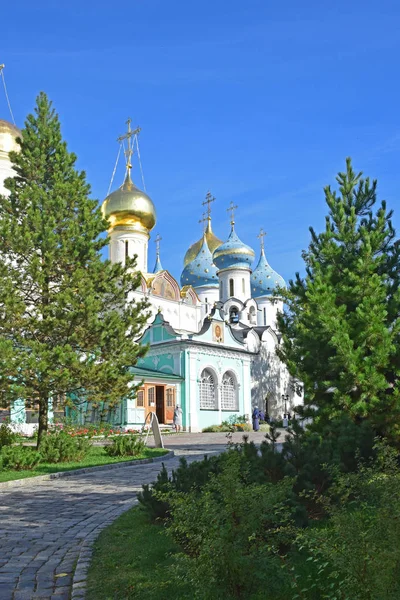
261,237
231,209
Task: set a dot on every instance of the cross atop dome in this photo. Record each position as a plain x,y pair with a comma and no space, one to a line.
231,209
204,220
208,201
127,136
261,237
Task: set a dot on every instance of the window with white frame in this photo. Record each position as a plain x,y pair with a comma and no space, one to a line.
229,395
208,395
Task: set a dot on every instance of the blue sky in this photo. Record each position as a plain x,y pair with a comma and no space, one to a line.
259,102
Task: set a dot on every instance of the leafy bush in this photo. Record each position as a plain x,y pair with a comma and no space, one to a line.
232,534
19,458
357,553
59,446
127,445
185,478
7,435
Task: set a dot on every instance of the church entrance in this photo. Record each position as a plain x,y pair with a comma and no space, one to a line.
160,409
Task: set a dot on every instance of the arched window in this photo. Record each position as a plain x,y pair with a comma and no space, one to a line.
229,395
265,315
231,288
208,395
252,315
206,305
243,286
126,249
234,315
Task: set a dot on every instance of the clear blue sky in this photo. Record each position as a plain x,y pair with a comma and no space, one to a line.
258,101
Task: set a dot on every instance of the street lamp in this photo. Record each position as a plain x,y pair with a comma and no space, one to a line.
285,398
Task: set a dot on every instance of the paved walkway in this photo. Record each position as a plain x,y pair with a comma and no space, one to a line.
46,526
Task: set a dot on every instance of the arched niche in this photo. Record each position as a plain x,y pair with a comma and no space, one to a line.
165,286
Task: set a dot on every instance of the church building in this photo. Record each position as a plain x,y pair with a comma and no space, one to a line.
212,336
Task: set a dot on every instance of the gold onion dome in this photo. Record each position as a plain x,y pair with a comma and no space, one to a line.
212,242
130,207
8,133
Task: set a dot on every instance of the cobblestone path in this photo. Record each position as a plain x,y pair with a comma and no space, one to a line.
45,525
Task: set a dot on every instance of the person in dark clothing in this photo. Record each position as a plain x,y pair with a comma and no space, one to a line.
256,419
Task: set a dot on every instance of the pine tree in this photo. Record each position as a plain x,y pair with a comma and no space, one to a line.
65,324
341,330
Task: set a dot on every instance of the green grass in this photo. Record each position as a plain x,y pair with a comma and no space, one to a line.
133,559
96,457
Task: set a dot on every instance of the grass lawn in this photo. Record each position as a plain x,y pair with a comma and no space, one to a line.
97,456
132,559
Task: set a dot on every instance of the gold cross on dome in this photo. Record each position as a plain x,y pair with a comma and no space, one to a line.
157,243
231,209
128,137
204,220
208,201
261,237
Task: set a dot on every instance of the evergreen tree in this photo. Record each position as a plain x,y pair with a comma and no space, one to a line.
65,325
341,330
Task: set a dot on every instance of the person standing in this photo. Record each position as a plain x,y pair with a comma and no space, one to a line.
256,419
177,418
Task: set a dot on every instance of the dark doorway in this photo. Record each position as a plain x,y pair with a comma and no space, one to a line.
160,403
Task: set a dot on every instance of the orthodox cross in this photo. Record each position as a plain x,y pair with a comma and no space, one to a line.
127,136
157,242
261,237
206,216
209,200
231,209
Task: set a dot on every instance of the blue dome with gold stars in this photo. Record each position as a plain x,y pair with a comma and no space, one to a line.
264,279
201,271
233,253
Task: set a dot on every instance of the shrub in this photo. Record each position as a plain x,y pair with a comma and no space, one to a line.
232,534
185,478
19,458
127,445
59,446
357,553
7,435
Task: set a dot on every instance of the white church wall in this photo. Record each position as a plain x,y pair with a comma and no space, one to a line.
268,308
123,240
178,314
208,295
241,284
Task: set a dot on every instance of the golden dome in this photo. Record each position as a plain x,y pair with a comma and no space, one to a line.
212,242
8,133
130,207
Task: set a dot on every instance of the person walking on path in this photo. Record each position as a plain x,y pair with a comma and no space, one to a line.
178,418
256,419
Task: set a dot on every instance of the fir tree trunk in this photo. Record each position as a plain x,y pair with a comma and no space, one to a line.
43,418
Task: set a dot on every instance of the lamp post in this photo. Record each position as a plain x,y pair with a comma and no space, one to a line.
285,398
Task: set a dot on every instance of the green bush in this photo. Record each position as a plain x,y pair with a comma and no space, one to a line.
59,446
232,535
19,458
125,445
356,554
7,435
185,478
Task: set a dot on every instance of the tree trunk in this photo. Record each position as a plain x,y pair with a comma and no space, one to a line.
43,418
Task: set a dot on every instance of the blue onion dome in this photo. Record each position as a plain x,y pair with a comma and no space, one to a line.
201,271
212,241
233,253
264,279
